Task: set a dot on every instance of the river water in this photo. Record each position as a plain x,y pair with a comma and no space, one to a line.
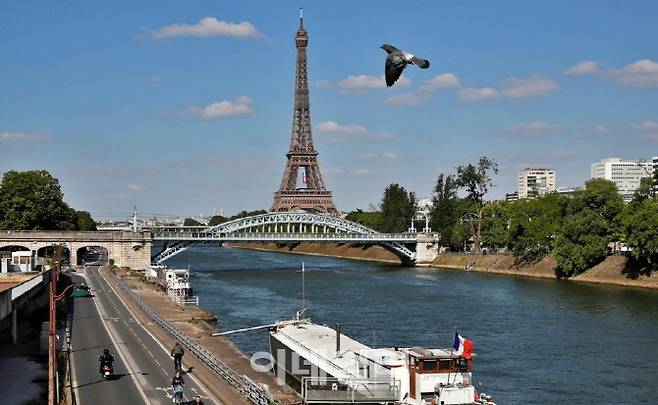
537,341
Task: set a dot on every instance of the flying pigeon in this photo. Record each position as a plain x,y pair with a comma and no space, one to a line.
397,60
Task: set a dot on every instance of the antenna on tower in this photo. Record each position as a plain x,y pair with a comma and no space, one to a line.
301,16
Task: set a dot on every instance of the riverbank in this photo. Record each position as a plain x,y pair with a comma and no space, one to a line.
611,271
341,250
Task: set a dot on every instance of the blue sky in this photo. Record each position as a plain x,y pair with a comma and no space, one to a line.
181,107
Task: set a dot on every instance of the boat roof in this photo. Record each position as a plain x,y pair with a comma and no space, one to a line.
317,344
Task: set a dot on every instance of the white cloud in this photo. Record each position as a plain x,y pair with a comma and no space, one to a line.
535,86
223,109
208,27
643,73
535,127
378,156
471,94
646,126
440,82
334,128
322,84
20,136
337,133
600,128
588,67
135,187
361,84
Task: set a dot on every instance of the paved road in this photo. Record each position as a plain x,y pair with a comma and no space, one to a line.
143,368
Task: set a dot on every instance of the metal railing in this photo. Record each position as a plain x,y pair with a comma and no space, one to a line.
322,390
250,390
285,237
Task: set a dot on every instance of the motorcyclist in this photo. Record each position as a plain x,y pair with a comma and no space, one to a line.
105,359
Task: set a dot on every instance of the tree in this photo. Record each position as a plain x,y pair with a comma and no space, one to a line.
443,214
216,220
33,200
646,189
476,180
243,214
592,220
191,222
84,221
641,230
370,219
398,207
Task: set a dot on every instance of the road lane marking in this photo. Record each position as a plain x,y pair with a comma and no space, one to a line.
130,365
206,392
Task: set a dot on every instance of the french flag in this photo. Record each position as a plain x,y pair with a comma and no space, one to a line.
463,347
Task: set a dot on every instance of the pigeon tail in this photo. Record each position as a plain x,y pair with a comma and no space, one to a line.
421,63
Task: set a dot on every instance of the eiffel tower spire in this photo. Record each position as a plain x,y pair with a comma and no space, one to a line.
302,187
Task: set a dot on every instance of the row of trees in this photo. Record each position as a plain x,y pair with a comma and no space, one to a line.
219,219
577,230
33,200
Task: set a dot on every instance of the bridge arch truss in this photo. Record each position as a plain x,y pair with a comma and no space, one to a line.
282,227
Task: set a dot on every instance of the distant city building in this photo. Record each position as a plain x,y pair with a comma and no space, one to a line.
626,174
568,191
512,196
533,182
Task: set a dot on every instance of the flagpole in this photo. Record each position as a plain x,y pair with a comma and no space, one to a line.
452,348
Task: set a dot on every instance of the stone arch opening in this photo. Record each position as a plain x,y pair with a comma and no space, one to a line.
93,256
52,252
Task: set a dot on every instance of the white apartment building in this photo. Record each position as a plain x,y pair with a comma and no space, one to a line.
533,182
626,174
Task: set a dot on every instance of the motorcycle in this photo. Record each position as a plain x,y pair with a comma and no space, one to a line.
107,370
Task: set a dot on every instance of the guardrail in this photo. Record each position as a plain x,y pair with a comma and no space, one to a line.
241,382
285,236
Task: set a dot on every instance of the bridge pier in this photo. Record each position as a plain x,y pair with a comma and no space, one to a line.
427,248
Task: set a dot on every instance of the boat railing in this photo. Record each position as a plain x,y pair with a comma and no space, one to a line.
316,390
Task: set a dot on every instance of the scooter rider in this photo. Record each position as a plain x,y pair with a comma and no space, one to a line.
105,358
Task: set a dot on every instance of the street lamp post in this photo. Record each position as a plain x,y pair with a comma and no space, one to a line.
470,217
52,329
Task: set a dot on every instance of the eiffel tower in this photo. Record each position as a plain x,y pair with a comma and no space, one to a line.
302,187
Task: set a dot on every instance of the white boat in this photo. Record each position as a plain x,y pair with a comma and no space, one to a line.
327,367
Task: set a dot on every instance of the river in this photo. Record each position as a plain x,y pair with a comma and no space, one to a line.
537,341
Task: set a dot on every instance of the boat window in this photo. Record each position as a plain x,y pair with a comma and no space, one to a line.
462,364
429,365
444,364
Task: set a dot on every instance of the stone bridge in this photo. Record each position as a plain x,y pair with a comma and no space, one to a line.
130,249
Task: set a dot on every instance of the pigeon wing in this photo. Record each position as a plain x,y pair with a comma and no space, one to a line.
421,63
390,48
392,72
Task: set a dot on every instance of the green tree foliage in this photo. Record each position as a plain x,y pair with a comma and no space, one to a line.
370,219
592,220
476,180
33,200
641,229
646,189
243,214
216,220
444,213
191,222
84,221
398,207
